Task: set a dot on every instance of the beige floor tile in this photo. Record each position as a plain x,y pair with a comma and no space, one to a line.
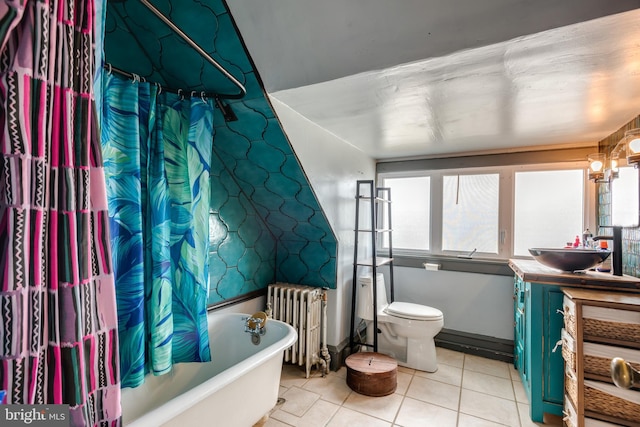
435,392
415,413
331,388
406,370
486,366
284,417
466,390
404,380
515,375
341,373
449,357
549,420
298,401
273,423
282,390
317,416
384,407
444,374
525,421
346,417
490,408
520,393
292,376
523,410
465,420
488,384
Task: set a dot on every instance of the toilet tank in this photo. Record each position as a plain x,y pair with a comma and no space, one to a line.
365,295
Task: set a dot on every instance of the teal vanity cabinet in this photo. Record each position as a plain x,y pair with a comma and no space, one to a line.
538,322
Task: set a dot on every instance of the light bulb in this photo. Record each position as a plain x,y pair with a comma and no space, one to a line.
634,145
596,166
614,164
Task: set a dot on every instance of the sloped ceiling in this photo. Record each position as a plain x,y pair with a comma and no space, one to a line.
415,77
433,78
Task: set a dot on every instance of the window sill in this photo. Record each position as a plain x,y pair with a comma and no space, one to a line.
478,265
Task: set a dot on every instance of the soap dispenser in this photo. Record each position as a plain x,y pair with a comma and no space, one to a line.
587,239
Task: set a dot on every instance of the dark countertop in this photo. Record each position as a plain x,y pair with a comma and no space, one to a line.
532,271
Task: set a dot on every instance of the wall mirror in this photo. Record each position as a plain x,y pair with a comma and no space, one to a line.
625,198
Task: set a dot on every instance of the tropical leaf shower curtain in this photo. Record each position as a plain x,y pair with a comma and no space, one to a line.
157,150
58,335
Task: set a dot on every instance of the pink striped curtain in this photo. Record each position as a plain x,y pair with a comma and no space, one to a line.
58,333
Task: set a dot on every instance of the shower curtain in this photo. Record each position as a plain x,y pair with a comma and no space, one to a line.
157,150
58,334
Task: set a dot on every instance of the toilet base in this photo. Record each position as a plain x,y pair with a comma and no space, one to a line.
417,354
421,355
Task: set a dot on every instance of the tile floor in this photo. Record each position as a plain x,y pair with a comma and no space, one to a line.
466,391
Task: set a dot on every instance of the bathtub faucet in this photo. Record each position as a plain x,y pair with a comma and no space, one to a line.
255,324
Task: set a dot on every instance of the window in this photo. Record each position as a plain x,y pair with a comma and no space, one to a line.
411,221
548,209
497,212
470,213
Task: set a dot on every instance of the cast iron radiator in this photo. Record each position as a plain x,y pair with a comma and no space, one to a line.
304,308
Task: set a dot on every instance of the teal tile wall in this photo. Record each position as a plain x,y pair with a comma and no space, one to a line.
242,249
630,236
266,223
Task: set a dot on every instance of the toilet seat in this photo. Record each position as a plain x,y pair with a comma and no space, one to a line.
407,310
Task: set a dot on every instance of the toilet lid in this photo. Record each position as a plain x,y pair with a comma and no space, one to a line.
409,310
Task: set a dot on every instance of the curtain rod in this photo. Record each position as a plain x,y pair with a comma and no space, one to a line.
198,49
136,77
227,112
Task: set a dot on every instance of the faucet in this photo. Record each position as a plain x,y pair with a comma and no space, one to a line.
255,324
617,248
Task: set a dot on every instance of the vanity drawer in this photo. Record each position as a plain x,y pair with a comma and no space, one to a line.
610,323
604,398
571,417
610,400
597,358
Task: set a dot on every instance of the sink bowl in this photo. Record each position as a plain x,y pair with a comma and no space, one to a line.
569,259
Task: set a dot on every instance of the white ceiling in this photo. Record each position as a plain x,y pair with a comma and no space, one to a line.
411,78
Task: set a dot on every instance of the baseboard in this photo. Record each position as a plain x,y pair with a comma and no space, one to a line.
479,345
464,342
338,354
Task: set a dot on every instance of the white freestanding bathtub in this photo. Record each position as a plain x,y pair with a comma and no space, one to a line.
237,388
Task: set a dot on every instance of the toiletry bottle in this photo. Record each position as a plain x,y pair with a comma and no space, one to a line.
576,243
587,239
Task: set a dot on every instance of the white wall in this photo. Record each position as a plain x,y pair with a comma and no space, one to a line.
333,167
473,303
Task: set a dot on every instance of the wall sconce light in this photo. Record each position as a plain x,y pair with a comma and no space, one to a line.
596,166
632,140
611,168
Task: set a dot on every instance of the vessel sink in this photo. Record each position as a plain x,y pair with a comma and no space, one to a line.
569,259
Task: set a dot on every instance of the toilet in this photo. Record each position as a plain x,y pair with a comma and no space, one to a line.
407,330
